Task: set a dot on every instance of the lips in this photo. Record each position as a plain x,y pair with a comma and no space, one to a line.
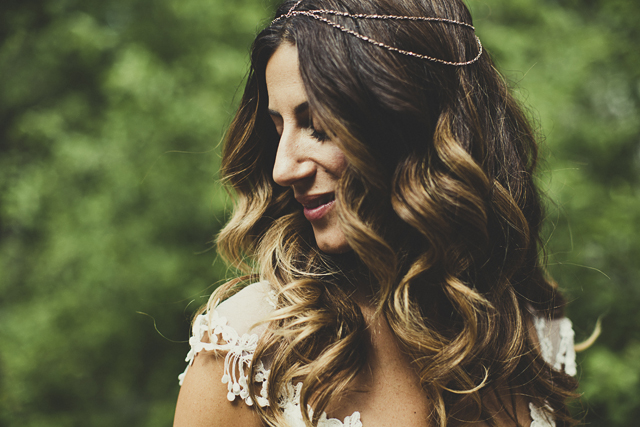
316,207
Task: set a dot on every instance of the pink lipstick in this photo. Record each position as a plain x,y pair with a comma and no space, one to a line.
316,207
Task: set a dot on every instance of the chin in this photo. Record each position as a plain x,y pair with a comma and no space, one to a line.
338,246
330,238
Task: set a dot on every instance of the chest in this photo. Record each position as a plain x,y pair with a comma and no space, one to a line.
387,391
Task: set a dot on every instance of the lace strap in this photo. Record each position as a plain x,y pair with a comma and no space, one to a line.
541,417
237,361
561,353
556,346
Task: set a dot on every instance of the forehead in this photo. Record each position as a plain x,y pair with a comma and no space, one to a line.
284,83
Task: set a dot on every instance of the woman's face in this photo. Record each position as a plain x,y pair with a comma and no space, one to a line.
307,161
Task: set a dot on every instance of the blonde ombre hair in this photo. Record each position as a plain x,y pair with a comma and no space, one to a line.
437,203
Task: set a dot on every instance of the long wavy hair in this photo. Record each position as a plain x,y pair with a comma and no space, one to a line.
438,204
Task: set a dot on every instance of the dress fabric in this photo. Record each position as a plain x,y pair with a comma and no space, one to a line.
232,330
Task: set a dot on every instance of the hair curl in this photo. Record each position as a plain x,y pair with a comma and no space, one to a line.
437,203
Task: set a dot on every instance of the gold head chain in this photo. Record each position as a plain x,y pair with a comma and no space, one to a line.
316,14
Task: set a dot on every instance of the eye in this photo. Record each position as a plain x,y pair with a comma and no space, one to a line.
316,133
277,124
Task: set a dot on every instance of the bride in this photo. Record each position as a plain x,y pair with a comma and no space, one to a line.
387,217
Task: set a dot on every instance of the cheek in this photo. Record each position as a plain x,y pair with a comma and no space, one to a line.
337,162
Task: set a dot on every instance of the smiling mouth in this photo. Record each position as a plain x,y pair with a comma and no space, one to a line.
318,207
322,200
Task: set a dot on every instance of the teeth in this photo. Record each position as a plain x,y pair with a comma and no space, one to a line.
319,201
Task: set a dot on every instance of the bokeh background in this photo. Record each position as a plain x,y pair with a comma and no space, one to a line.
111,113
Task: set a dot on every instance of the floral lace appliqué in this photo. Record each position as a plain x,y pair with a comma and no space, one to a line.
237,361
289,401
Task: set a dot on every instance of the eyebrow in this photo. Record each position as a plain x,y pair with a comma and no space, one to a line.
300,109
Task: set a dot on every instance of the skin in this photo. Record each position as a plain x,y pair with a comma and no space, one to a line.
202,401
306,160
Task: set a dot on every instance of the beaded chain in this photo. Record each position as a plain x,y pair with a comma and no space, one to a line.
315,14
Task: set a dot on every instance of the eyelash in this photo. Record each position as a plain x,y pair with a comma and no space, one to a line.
316,134
320,136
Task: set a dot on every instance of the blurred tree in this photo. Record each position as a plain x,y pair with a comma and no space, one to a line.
110,116
577,65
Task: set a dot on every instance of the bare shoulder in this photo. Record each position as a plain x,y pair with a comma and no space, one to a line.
203,397
226,331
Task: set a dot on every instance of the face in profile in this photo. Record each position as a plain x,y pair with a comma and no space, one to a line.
306,160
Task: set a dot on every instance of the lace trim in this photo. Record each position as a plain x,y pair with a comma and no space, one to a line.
564,358
237,361
289,401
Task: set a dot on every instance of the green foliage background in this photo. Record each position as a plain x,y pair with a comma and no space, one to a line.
111,113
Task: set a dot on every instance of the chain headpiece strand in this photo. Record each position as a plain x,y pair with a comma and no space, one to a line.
317,14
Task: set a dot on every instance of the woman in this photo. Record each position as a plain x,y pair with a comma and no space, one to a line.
385,198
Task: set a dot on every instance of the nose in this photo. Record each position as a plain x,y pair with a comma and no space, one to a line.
292,160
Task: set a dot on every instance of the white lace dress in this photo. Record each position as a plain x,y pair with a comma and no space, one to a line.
230,328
